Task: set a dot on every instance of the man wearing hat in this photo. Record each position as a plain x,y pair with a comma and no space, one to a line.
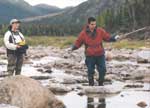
15,44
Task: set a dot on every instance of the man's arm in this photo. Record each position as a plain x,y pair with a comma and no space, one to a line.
78,43
108,38
9,45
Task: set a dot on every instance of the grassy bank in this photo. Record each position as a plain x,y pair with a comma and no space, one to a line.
63,42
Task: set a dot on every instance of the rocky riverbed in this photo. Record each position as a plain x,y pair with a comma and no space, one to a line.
127,83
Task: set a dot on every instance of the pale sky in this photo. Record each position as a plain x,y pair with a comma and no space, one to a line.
58,3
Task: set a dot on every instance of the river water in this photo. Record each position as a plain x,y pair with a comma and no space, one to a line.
128,98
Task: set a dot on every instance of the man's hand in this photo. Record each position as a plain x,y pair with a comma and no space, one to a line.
118,37
18,46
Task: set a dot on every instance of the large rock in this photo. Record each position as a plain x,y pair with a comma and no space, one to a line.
107,89
7,106
59,88
25,92
142,104
143,56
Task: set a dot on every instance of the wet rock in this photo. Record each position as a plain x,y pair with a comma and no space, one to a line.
122,57
122,95
74,80
76,72
38,55
110,77
66,56
27,61
65,64
48,66
48,71
69,81
40,77
40,70
7,106
27,93
140,73
100,90
146,79
134,85
143,56
108,89
59,88
81,93
4,74
82,80
139,77
127,78
79,87
142,104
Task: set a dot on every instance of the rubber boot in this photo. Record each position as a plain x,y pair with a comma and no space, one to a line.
101,83
91,81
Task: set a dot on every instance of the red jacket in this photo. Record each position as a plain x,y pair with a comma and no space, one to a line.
93,45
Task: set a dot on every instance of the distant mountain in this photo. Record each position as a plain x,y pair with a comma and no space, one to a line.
80,13
120,15
20,9
53,12
43,8
114,15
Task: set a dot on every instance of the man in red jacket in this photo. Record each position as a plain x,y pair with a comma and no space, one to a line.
92,37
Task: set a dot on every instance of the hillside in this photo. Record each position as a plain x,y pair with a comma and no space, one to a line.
20,9
116,16
43,8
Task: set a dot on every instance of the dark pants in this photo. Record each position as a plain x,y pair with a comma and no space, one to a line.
14,64
99,63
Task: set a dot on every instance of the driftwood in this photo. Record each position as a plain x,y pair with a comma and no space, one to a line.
138,30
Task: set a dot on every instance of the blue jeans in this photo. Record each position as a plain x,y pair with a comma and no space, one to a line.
99,63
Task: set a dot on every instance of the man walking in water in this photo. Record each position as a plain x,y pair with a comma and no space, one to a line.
92,37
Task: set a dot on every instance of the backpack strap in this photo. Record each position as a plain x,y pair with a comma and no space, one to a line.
12,36
21,36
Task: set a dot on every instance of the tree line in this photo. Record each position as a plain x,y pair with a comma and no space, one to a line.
36,29
132,15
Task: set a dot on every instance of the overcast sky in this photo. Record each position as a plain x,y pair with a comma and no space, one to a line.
58,3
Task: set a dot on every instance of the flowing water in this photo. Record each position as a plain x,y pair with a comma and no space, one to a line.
128,98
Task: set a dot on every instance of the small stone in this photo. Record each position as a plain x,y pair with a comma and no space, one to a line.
142,104
40,70
48,71
122,95
81,93
134,86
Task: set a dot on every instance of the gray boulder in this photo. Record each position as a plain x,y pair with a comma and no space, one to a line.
143,56
107,89
7,106
25,92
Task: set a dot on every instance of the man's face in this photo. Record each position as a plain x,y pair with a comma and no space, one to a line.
16,26
92,25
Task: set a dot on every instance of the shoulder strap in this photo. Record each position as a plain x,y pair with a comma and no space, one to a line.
21,36
13,39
